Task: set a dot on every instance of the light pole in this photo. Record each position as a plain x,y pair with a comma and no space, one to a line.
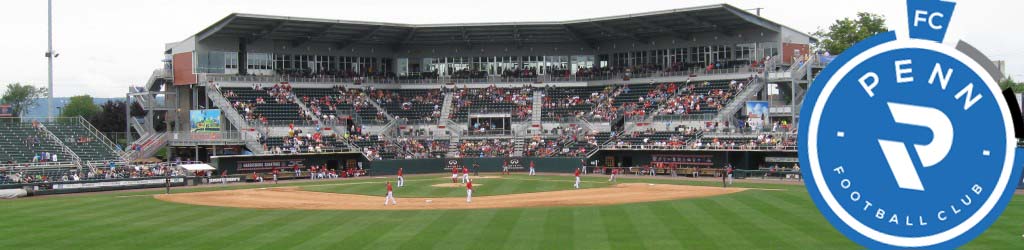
49,58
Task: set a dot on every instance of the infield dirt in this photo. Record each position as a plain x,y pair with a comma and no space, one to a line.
295,198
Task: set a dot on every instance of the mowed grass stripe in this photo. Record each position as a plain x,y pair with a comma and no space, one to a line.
719,228
332,237
225,235
247,237
374,232
113,227
680,225
409,226
47,227
590,232
652,230
428,237
294,231
620,230
559,225
172,227
469,225
758,229
784,221
499,228
528,229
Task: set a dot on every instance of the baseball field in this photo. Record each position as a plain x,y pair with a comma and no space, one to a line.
650,213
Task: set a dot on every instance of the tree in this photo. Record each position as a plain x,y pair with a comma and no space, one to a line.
22,97
80,106
110,118
847,32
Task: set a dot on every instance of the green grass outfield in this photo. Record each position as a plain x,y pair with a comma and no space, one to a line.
753,219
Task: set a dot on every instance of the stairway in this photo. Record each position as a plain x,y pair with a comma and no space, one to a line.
741,98
446,110
453,147
379,108
538,104
519,147
249,133
305,110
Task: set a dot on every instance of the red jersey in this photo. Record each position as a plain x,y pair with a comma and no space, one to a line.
465,170
531,164
577,172
399,172
469,185
389,187
455,170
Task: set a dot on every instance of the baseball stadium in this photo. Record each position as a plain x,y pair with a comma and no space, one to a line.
672,129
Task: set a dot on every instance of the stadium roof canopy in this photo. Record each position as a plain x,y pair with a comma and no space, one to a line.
680,23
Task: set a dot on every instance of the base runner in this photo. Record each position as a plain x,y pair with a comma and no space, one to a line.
390,196
401,180
577,184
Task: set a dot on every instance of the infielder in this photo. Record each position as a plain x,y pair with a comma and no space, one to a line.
465,174
224,177
612,178
455,174
469,192
577,184
532,171
274,171
504,169
401,180
390,196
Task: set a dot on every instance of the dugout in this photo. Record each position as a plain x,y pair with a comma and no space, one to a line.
746,160
246,164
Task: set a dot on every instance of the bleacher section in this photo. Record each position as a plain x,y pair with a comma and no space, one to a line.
271,109
85,144
19,142
515,101
568,102
412,104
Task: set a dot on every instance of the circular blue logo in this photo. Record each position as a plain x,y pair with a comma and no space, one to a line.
907,143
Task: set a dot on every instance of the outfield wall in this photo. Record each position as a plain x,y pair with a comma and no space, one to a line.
739,159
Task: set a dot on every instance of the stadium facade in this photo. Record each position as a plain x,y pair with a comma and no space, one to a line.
657,88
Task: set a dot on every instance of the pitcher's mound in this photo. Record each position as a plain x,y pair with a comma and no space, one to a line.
454,185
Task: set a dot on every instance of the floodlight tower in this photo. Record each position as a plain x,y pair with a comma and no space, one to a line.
49,58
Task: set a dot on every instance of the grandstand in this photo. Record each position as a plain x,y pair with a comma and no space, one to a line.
591,88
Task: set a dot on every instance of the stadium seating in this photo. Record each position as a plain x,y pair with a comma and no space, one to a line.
568,102
272,109
85,144
497,147
412,104
515,101
13,138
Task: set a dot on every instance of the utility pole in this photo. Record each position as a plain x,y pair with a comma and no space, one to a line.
49,58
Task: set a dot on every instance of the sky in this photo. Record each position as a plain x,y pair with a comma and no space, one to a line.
107,45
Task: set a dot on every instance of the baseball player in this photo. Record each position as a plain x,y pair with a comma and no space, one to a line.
532,171
465,174
312,172
612,178
504,169
455,174
224,177
469,192
728,170
274,172
401,180
390,196
298,172
583,165
577,184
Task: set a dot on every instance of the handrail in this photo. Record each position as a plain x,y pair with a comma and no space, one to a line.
64,148
103,139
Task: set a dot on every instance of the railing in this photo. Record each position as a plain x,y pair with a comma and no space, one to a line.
103,139
469,80
684,117
703,148
64,148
